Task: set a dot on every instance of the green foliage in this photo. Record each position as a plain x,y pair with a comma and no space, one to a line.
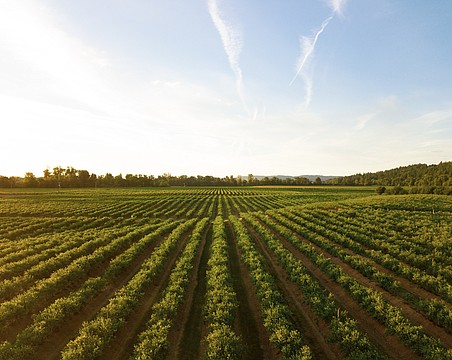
421,176
61,250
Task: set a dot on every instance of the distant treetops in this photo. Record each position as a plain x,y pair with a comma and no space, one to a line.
420,178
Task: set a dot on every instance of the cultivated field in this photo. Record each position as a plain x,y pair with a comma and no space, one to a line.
225,273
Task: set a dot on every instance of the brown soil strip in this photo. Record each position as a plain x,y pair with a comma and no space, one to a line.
199,204
213,214
390,345
224,208
255,339
53,345
232,206
190,329
314,330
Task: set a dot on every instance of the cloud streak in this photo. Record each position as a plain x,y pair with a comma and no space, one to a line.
232,41
336,6
307,45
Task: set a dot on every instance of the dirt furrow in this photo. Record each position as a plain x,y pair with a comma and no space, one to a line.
189,343
187,332
251,329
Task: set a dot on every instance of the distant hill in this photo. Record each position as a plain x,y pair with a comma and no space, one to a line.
420,175
285,177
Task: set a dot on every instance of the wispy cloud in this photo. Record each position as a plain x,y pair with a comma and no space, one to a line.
307,46
384,107
336,6
232,40
435,117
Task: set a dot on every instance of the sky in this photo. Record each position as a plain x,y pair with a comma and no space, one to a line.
217,87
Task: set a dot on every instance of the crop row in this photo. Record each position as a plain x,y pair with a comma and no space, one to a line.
426,234
221,300
53,208
417,254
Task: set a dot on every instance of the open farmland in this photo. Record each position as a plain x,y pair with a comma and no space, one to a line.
240,273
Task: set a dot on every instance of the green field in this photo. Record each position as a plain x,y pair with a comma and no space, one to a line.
225,273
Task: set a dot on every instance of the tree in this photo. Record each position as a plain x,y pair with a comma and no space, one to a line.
107,180
251,179
318,181
119,180
83,178
57,175
4,182
239,180
30,180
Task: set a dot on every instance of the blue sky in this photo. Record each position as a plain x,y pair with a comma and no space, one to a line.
216,87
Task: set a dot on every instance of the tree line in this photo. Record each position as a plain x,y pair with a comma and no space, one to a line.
412,175
419,178
414,179
72,178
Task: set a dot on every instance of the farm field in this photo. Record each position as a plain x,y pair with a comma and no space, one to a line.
225,273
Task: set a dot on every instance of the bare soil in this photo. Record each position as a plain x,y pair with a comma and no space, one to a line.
189,328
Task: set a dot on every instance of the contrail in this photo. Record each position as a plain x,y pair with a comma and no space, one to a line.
308,44
232,44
